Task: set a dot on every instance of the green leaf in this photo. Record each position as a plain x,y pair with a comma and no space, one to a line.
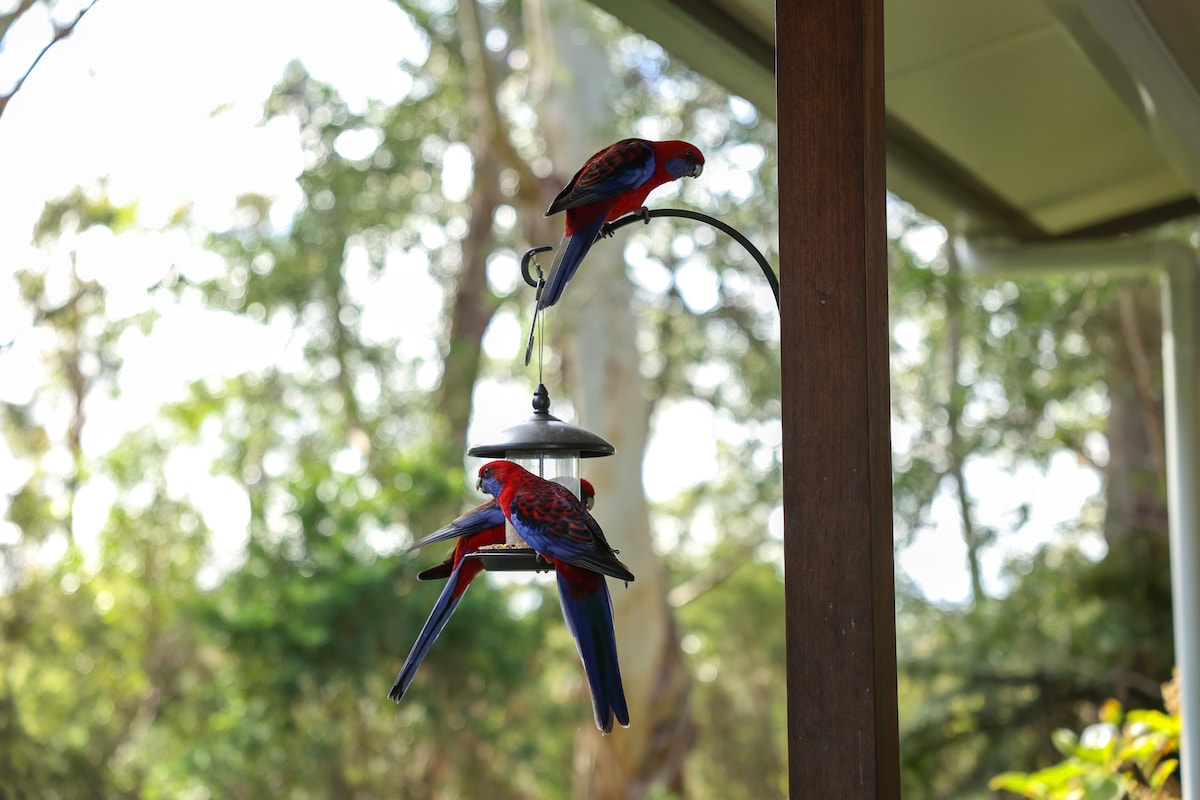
1111,711
1019,783
1061,775
1155,721
1162,772
1141,747
1066,741
1103,789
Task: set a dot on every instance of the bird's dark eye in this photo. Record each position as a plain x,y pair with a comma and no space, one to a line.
487,472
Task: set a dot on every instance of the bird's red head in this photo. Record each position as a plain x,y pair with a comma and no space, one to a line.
495,475
680,159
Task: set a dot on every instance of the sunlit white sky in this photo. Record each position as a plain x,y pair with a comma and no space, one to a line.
162,100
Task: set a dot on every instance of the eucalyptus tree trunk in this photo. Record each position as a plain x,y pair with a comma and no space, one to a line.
601,363
1135,475
1134,577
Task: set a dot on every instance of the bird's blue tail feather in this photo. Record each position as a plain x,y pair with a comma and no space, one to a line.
446,603
567,259
590,618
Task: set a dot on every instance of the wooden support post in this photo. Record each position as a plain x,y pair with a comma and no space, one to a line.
841,631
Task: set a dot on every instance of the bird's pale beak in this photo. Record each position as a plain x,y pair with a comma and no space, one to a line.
479,484
591,501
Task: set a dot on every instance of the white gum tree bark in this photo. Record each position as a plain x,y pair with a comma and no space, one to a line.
601,363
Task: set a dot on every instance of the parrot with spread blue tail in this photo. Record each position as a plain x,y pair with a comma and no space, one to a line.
614,182
558,526
477,528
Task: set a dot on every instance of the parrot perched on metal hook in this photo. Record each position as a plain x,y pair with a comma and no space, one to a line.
558,526
476,528
614,182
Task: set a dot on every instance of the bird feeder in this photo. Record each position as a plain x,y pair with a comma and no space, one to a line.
550,449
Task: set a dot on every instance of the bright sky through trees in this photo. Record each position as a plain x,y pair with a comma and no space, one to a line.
161,104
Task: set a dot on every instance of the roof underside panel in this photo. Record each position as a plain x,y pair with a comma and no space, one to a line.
1019,117
1022,111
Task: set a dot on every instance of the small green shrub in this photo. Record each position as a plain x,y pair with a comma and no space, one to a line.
1124,755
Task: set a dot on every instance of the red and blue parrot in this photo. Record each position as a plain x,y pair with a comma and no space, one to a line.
613,183
477,528
558,526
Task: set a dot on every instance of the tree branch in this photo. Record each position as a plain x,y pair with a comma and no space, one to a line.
1068,671
488,92
60,33
955,400
1075,445
720,572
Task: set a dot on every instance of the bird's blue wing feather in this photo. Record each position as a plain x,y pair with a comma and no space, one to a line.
476,520
613,171
558,525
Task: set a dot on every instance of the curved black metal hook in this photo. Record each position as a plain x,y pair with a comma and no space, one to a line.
538,285
645,215
527,259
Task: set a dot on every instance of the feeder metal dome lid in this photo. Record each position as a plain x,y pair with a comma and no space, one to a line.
546,432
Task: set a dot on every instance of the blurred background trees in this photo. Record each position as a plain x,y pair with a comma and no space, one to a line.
212,598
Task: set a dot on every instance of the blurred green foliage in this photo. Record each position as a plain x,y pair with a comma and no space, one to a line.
1124,755
1015,371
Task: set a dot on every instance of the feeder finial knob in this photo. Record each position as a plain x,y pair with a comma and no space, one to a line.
541,400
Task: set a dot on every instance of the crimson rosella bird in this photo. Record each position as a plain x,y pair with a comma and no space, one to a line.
558,526
475,529
613,183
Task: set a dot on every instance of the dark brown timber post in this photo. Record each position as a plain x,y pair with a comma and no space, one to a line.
841,632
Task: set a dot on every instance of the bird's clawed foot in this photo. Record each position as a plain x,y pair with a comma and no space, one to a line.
643,213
